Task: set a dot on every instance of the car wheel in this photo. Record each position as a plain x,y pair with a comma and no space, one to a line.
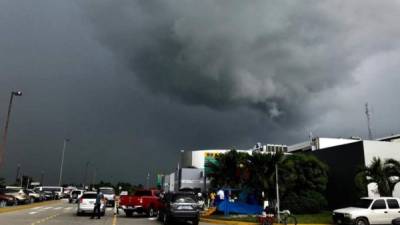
78,213
195,222
103,213
362,221
151,212
165,219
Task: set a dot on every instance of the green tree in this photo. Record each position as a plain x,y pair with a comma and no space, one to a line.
303,180
260,168
385,174
228,169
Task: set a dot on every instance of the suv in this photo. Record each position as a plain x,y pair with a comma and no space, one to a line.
380,210
179,206
109,195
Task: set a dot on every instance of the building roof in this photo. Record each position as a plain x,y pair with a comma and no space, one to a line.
389,138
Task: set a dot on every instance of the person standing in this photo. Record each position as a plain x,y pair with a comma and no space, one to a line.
97,205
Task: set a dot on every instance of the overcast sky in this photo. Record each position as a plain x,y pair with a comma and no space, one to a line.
133,82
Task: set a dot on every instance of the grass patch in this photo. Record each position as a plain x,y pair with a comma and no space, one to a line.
319,218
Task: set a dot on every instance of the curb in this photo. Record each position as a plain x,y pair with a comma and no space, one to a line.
227,222
22,207
230,222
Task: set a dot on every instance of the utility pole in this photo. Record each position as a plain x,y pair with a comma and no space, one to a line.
42,178
62,160
277,192
5,132
148,180
85,175
18,171
367,113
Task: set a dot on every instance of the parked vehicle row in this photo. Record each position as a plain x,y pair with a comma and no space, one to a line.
169,207
13,195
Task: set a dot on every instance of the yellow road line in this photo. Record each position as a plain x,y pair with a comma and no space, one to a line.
45,219
114,222
21,207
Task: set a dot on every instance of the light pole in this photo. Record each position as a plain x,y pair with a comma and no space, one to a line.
84,178
5,132
42,178
62,160
277,193
180,166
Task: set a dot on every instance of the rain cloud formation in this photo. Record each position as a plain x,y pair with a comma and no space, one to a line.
159,76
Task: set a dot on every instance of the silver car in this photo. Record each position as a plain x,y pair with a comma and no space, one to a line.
87,202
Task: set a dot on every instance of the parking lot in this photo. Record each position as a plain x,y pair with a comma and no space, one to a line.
63,213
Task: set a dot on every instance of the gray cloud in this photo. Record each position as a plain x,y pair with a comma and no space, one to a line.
132,82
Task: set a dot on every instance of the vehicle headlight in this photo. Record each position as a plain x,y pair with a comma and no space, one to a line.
347,215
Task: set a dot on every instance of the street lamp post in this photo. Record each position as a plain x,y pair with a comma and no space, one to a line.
62,160
5,132
85,177
277,193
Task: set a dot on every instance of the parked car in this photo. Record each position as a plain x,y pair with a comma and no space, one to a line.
19,194
50,195
75,196
368,211
180,206
6,200
143,201
109,195
86,204
33,196
58,191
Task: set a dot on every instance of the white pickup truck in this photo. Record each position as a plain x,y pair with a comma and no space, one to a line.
368,211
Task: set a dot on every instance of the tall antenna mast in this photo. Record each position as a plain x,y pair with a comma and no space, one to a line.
370,137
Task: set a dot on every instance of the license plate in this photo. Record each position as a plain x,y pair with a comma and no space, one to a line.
185,207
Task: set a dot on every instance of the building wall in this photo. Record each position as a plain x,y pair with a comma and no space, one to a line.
330,142
383,150
343,162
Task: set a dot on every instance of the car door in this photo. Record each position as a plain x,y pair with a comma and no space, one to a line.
394,208
379,212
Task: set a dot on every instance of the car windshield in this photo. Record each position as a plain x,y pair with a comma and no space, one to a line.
363,203
142,193
107,191
76,193
183,199
90,196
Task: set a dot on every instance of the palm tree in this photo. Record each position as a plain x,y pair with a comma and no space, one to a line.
384,174
228,169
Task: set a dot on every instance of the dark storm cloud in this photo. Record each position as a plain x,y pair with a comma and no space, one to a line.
269,55
133,82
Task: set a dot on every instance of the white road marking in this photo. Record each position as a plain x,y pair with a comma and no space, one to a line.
68,208
57,208
38,207
152,218
47,208
31,213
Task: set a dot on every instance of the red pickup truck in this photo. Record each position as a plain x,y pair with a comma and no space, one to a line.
143,201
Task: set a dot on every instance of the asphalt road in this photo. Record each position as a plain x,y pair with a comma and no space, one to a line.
64,213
